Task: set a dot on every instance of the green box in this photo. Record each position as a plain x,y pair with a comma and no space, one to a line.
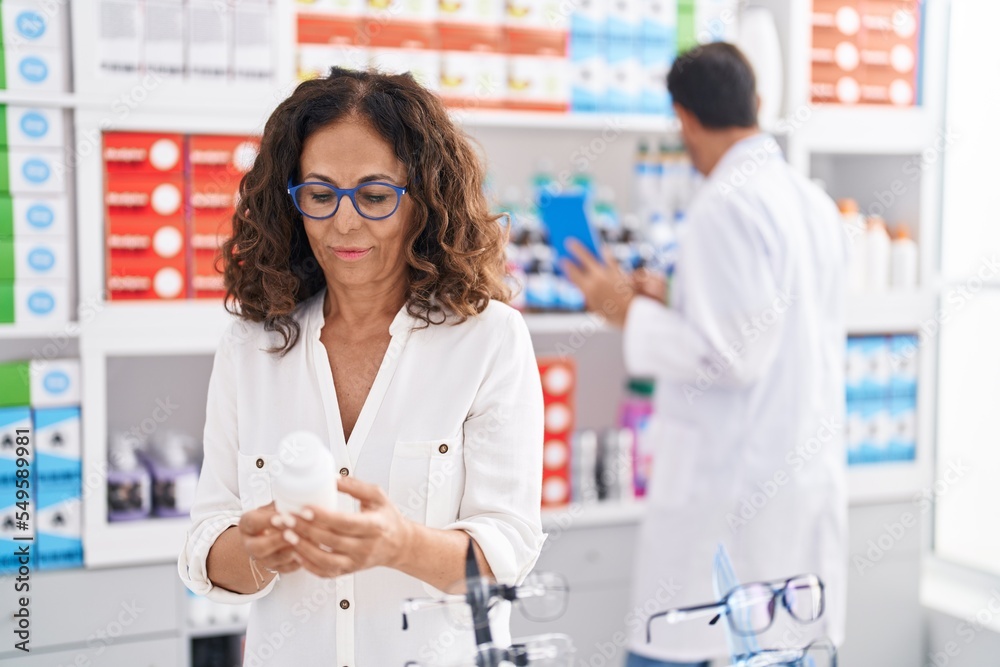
15,384
7,260
6,216
6,303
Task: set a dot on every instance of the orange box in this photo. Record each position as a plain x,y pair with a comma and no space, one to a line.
316,29
230,155
138,277
559,394
143,152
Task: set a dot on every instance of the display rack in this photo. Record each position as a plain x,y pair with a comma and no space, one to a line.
194,328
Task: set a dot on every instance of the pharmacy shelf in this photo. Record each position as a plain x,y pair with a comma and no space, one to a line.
565,323
36,332
650,124
151,328
578,516
153,540
885,482
890,312
866,130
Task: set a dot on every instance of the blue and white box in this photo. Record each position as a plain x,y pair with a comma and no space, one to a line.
903,360
36,171
55,383
589,18
40,301
12,420
16,522
40,259
659,23
855,432
38,217
57,446
903,441
624,75
878,367
855,368
655,62
35,69
878,430
34,127
60,527
624,18
38,23
588,72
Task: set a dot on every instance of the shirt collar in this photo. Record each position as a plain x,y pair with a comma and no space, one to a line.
402,322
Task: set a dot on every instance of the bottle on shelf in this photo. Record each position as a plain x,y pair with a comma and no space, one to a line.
878,251
634,415
170,459
129,482
904,259
304,474
857,233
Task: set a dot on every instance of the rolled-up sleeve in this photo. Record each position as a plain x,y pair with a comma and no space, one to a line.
501,505
217,503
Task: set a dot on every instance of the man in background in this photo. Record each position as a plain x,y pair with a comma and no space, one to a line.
747,354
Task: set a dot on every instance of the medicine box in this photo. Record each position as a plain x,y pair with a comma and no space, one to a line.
13,419
40,383
32,171
30,126
59,526
57,446
17,522
35,301
33,259
38,24
35,69
29,216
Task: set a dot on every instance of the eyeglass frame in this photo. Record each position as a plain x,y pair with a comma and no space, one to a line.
341,193
745,660
777,586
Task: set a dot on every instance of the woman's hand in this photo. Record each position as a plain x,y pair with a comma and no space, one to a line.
261,532
331,544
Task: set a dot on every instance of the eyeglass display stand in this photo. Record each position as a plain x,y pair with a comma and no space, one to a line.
724,580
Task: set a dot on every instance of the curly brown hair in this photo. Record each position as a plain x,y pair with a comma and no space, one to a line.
454,247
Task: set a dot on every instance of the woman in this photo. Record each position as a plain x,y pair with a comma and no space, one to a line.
368,272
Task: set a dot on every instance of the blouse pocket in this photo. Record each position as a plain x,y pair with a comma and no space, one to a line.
255,479
427,480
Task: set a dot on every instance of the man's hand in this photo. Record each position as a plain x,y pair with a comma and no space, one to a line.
606,288
647,283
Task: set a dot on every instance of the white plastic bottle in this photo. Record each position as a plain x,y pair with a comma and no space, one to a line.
304,474
879,251
856,233
904,259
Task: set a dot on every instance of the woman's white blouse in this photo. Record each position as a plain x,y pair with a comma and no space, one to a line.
452,429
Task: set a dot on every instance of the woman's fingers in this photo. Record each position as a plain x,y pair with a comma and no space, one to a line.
322,563
336,542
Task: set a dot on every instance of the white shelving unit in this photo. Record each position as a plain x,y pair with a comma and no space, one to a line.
190,328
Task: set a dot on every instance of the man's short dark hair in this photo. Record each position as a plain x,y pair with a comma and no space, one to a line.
715,82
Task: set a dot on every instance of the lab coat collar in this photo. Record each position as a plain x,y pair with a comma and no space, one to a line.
755,150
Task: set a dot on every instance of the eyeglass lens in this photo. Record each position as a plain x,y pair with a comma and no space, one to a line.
374,201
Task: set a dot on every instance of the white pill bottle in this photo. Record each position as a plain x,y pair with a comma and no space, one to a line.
304,474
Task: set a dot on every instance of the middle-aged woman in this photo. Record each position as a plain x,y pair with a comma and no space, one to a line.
369,274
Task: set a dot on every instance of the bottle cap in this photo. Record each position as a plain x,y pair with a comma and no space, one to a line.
847,206
902,231
641,386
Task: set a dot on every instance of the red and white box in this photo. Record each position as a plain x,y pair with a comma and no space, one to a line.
145,241
559,393
538,72
143,152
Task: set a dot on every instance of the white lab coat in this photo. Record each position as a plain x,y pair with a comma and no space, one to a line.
451,429
749,405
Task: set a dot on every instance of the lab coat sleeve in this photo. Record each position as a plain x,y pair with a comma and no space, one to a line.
217,499
501,503
727,327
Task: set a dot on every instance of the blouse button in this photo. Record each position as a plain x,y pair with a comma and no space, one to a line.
260,463
344,604
443,449
344,472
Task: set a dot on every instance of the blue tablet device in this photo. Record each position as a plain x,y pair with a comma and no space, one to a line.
565,217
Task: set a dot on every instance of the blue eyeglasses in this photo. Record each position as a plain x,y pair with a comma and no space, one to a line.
319,201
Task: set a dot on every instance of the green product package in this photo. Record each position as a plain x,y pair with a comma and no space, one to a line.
15,384
6,303
7,260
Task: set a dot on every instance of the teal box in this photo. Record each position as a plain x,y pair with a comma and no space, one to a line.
588,72
59,527
903,441
903,355
16,543
13,419
57,446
